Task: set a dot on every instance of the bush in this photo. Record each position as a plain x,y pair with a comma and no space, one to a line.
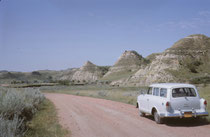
36,73
17,107
21,103
102,93
200,80
63,82
11,128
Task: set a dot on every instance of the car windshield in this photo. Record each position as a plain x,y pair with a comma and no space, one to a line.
183,92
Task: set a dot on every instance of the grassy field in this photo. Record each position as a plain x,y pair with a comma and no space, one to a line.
121,94
45,123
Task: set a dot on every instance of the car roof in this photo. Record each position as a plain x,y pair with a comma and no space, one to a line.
171,85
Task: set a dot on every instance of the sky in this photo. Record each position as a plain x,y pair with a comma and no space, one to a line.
61,34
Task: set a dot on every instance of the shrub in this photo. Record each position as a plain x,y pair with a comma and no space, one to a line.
64,82
11,128
102,93
21,103
36,73
17,107
200,80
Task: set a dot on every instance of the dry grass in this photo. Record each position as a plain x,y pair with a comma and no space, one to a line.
45,123
121,94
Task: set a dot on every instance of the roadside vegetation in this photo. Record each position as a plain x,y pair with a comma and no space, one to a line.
26,112
121,94
45,123
16,108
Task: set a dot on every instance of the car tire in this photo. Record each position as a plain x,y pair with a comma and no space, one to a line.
137,105
157,118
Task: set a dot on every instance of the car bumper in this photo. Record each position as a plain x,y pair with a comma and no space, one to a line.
182,114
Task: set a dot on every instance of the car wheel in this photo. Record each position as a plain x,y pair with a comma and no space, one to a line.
137,105
157,118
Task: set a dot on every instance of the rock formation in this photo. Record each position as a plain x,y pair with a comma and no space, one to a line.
89,72
188,60
128,63
163,67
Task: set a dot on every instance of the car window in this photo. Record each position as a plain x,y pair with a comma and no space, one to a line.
183,92
163,92
149,91
156,92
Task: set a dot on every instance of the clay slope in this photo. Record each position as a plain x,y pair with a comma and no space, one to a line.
128,63
66,74
89,72
185,60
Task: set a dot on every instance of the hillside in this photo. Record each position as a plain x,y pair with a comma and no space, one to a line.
127,64
187,60
89,72
66,74
27,77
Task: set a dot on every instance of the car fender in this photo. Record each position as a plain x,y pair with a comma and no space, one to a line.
154,107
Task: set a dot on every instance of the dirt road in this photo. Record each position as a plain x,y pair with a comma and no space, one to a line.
90,117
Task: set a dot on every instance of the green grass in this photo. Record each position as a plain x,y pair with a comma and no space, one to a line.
118,75
45,123
205,93
121,94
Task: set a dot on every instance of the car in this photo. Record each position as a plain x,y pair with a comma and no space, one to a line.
166,100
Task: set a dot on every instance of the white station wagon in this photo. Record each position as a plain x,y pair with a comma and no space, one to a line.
171,100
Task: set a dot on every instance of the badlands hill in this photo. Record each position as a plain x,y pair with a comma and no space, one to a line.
127,64
89,72
187,60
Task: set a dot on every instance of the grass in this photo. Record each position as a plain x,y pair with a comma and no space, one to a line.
118,75
29,85
205,93
45,123
121,94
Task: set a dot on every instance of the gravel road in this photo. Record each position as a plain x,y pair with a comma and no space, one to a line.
91,117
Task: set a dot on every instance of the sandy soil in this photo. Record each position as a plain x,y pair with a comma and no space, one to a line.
90,117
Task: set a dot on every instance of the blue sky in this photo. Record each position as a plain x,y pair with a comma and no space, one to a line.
61,34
